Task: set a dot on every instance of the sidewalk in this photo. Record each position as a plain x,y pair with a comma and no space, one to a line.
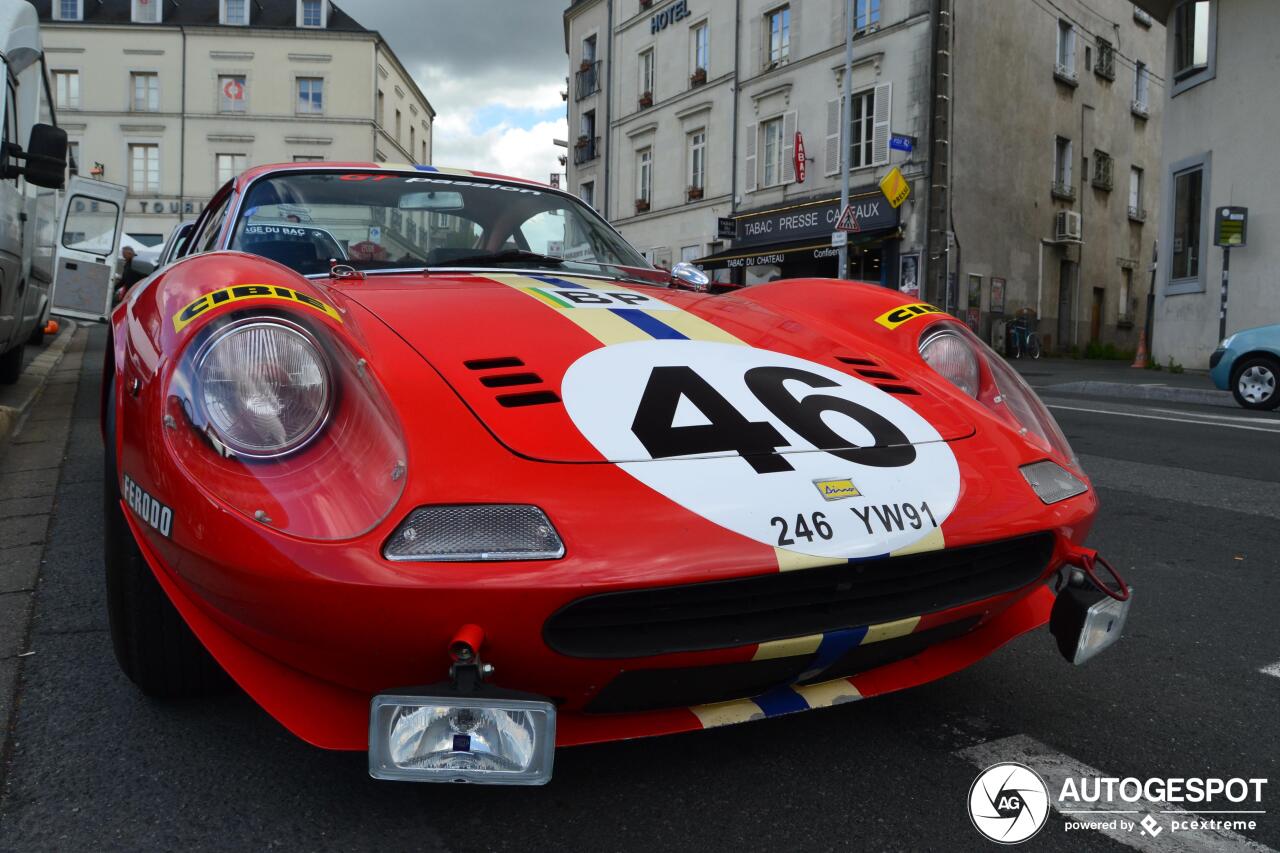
1117,379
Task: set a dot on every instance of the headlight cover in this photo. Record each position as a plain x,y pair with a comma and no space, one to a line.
264,386
953,357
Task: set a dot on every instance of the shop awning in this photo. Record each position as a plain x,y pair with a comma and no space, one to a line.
778,253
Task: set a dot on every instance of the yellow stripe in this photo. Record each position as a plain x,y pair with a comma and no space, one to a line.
933,542
828,693
790,561
727,713
889,630
605,326
790,648
694,327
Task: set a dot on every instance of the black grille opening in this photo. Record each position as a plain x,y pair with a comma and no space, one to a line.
876,374
897,389
723,614
506,380
848,359
493,363
530,398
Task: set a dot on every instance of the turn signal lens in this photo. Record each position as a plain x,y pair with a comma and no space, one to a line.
953,357
264,387
1051,482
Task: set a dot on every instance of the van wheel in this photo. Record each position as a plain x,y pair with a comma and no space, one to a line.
11,366
37,335
153,645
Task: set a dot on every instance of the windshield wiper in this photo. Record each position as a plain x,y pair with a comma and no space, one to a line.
506,256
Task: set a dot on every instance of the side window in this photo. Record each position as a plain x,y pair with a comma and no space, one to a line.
10,131
206,238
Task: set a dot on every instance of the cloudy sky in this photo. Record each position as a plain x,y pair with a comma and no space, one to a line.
493,70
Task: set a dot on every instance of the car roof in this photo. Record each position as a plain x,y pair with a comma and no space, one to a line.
327,165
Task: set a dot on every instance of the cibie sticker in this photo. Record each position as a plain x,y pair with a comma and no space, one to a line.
741,436
225,295
905,313
152,513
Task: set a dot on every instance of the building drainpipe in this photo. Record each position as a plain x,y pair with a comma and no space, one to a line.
737,58
608,112
182,133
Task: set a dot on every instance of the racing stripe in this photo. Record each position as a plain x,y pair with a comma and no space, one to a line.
834,645
933,542
790,561
780,700
604,326
726,713
891,630
789,648
827,693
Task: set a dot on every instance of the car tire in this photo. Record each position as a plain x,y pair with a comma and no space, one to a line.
37,335
1255,383
153,645
11,366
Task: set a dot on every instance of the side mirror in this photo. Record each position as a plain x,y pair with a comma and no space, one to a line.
46,157
685,274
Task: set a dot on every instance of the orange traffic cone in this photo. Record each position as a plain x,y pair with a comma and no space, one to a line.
1140,359
51,327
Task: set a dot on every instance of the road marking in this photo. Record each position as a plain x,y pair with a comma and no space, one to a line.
1238,418
1273,670
1275,429
1055,768
1213,491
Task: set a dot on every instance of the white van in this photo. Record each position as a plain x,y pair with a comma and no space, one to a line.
33,166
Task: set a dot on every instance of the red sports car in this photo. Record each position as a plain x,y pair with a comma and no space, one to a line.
433,464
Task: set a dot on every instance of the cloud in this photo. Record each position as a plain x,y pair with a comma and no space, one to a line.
492,69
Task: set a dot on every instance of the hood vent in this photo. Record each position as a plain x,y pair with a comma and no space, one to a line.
870,370
511,380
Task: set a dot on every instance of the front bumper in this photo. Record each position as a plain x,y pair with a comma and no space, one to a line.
1220,364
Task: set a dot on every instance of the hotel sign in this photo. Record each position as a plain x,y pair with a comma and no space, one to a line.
668,16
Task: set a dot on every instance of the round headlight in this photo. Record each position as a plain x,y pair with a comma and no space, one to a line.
953,357
264,387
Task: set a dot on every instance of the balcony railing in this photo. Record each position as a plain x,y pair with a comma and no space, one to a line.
1063,190
1137,214
588,80
586,149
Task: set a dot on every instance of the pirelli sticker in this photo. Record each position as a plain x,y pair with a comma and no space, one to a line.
906,313
240,292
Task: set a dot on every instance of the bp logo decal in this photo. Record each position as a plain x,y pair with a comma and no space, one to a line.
1008,802
748,438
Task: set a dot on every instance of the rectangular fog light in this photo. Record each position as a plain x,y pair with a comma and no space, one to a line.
474,532
493,741
1086,622
1051,482
1102,625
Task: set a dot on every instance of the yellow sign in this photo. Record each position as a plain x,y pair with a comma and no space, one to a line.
895,318
895,187
834,490
248,291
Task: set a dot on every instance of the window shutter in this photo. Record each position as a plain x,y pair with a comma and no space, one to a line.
880,137
833,149
837,21
1066,166
789,148
760,37
749,161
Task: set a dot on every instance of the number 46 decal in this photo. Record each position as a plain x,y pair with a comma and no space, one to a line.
728,430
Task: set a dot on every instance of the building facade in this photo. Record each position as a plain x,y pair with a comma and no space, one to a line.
685,117
688,112
1054,176
173,99
1221,111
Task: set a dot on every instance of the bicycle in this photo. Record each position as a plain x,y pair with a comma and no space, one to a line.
1023,339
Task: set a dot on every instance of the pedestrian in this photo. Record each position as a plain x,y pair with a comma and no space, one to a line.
129,276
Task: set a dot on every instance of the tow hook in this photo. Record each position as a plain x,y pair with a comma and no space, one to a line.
1090,610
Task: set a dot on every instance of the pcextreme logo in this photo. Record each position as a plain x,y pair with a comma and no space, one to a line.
1008,802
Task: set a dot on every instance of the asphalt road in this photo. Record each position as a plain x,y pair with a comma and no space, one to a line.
1191,515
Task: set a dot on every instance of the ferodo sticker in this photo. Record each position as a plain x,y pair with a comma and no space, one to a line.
152,513
782,450
248,291
905,313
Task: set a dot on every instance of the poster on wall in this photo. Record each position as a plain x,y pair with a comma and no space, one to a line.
971,318
909,274
997,295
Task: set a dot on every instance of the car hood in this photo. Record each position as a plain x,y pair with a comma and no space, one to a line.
550,364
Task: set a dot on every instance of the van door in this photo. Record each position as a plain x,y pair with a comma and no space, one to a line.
88,242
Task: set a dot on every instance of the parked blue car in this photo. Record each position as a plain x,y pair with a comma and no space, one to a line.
1248,365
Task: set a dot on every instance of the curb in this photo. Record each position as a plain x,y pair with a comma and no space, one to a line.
1202,396
20,396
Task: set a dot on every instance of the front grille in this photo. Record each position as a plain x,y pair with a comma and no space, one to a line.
738,612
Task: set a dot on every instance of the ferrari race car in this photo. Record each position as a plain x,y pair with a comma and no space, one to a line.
433,464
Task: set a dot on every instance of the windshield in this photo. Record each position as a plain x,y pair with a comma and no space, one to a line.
393,220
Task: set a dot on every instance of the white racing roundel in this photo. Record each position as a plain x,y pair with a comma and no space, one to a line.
782,450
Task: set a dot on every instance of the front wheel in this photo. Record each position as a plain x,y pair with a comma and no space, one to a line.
1254,383
11,365
153,645
1033,345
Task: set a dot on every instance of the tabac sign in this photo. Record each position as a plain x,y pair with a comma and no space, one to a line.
814,220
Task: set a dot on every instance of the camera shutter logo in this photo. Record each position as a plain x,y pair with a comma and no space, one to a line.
1008,803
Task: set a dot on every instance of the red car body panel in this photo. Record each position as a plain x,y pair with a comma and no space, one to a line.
313,629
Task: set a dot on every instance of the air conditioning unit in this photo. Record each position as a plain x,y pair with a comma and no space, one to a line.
1068,227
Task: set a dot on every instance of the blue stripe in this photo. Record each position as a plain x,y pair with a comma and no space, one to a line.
833,647
426,168
649,324
558,282
780,700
